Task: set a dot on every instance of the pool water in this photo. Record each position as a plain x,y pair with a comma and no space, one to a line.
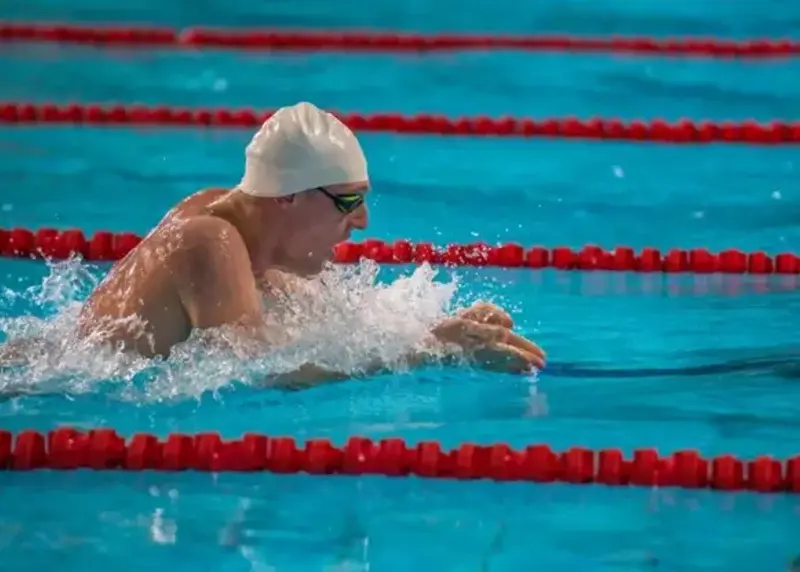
672,362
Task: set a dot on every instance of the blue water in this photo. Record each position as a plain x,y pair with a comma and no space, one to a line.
614,327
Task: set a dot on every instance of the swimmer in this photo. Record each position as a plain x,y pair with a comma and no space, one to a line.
211,259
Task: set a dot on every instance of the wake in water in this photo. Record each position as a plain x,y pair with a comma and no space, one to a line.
342,320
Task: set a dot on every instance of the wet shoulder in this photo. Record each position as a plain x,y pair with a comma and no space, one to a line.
201,238
190,229
198,202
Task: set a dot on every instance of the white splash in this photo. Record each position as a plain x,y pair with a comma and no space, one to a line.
342,320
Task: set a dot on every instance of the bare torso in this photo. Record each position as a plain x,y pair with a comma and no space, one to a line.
137,303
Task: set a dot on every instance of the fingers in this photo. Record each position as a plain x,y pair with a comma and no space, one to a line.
498,318
485,313
525,345
520,359
455,331
501,335
492,340
507,358
499,341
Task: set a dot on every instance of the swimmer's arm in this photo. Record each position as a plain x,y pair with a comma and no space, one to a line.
216,287
310,375
306,376
212,277
454,340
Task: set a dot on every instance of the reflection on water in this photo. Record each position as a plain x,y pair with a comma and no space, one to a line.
269,522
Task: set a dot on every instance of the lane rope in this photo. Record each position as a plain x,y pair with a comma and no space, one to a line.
103,449
681,132
370,41
52,244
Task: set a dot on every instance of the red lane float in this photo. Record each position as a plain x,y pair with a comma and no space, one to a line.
104,449
629,284
53,244
657,130
362,41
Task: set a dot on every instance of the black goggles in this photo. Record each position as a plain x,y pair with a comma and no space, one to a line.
345,203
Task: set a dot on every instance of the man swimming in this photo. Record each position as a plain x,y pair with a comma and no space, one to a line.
211,259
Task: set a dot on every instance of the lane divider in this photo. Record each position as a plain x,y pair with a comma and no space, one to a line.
608,284
657,130
53,244
370,41
104,449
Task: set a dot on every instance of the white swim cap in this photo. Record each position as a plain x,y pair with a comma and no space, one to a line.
299,148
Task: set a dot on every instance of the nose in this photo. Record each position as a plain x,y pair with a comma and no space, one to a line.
359,218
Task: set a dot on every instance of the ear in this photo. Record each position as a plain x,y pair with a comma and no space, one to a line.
285,200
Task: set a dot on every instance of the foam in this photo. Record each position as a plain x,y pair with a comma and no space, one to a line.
341,320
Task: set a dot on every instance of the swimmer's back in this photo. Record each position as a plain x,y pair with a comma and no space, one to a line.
137,304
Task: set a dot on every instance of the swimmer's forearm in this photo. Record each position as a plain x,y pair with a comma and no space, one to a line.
310,375
305,377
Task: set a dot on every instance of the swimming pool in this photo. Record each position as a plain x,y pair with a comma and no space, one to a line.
616,327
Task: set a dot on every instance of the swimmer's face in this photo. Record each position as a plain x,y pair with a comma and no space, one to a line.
321,218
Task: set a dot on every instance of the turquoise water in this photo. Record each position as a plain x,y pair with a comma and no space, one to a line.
637,341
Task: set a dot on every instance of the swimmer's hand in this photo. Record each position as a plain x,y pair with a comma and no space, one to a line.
493,346
518,356
486,313
478,332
